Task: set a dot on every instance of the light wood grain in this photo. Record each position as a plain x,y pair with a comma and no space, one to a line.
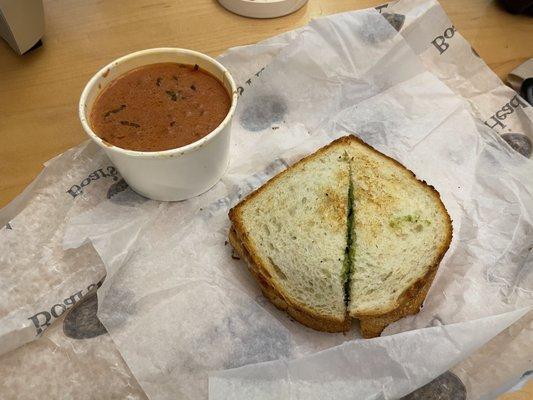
39,91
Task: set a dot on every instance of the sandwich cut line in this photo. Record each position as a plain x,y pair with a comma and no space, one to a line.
350,245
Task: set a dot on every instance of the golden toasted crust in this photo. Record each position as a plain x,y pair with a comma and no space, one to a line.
372,323
299,313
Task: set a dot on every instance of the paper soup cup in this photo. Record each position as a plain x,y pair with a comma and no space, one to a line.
175,174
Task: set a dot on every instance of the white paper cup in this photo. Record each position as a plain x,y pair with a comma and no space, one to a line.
175,174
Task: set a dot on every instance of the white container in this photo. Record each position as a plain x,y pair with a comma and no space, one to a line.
262,8
175,174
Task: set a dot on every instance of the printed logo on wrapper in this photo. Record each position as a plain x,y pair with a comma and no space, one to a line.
81,321
445,387
44,319
496,119
441,41
263,112
520,143
248,82
104,172
396,20
116,188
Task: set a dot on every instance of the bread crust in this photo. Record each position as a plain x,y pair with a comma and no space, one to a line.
372,322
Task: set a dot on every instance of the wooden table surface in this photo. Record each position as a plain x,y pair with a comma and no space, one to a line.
39,91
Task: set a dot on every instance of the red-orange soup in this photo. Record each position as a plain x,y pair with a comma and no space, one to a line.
159,107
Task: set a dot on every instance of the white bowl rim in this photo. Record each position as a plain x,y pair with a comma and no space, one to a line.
163,153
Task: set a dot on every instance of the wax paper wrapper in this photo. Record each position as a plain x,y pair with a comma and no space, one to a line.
189,320
73,359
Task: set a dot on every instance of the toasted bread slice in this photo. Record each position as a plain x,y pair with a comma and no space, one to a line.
400,233
292,231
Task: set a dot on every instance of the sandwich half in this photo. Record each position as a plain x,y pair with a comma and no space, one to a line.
400,232
292,232
344,233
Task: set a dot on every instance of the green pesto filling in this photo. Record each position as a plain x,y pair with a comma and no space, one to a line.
350,247
398,222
